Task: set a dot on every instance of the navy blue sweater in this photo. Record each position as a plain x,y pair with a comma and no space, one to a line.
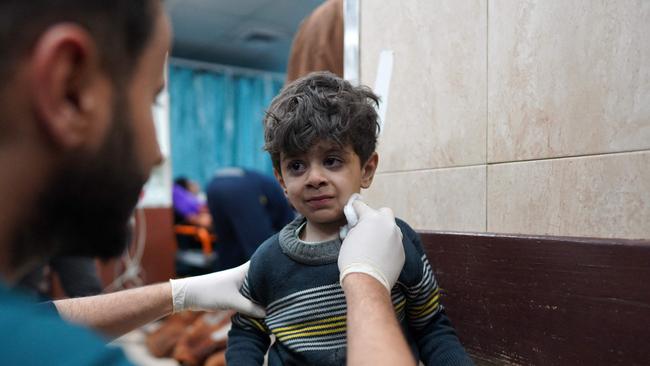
298,283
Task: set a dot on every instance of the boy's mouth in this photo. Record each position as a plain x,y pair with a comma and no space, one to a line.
319,201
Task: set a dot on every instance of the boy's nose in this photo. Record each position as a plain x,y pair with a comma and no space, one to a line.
316,178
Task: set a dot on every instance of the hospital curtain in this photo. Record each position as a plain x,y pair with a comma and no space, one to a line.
216,120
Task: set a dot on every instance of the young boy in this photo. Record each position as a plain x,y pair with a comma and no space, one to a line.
321,133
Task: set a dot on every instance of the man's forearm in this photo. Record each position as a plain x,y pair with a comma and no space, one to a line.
374,335
120,312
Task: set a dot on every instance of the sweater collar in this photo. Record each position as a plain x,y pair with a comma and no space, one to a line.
318,253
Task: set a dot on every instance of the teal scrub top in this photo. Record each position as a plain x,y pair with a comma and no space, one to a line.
31,334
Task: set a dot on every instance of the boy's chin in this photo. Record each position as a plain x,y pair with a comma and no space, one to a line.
327,218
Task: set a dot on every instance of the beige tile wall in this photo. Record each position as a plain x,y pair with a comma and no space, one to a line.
514,116
437,104
436,199
567,78
598,196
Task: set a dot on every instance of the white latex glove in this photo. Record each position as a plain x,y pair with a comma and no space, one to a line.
214,291
350,216
373,246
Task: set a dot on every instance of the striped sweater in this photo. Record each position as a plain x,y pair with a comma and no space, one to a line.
298,284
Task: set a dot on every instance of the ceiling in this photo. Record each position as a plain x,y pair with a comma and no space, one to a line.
247,33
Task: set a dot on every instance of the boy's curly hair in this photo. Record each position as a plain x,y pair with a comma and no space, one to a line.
321,107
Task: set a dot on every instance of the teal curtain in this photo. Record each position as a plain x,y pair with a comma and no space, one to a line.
216,121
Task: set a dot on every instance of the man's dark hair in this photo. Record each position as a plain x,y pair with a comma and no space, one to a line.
121,28
321,107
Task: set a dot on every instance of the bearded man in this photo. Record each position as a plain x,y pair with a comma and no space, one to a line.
77,142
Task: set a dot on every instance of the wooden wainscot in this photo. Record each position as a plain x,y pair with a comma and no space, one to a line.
531,300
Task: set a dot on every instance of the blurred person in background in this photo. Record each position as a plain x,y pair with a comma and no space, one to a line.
318,44
247,207
193,228
189,208
77,276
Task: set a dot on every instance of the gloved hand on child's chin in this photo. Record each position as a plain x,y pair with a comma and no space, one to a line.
214,291
373,246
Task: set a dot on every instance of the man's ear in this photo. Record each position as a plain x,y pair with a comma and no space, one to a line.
67,88
278,176
368,170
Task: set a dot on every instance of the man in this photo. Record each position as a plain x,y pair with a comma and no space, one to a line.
247,208
77,141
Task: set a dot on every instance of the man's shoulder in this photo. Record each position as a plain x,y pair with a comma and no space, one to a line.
410,240
267,256
35,335
268,269
270,247
415,257
407,230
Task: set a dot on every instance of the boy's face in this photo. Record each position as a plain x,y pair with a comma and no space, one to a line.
319,182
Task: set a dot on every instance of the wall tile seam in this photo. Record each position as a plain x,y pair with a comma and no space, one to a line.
425,170
469,166
487,112
572,157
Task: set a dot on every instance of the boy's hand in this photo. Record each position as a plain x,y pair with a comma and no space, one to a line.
373,246
214,291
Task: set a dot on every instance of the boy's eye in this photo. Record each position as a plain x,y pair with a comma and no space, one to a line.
296,166
333,162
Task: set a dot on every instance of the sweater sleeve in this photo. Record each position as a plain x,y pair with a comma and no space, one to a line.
248,339
436,338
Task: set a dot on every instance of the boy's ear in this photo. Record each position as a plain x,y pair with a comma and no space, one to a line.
278,176
368,170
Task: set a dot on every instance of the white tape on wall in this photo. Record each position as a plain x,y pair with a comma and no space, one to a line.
382,85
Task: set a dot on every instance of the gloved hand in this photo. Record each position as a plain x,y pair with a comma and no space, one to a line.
373,246
350,216
214,291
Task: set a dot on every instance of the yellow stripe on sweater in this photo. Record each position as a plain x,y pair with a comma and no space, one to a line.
309,334
419,311
420,307
257,324
315,327
428,311
400,306
313,322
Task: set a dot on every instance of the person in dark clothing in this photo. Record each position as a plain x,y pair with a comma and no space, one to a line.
193,228
246,207
77,275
